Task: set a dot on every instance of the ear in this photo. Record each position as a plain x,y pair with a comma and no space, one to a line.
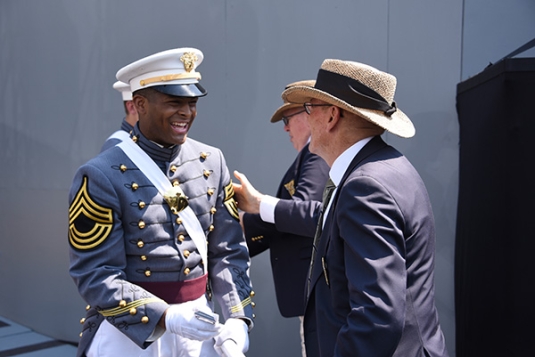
140,104
131,107
335,114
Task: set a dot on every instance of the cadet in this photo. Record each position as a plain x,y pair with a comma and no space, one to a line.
153,229
129,120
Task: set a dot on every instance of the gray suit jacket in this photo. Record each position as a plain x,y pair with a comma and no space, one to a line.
373,282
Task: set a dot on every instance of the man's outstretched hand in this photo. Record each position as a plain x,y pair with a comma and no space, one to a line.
246,195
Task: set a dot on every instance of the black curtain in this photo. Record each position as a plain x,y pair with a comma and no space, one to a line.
495,234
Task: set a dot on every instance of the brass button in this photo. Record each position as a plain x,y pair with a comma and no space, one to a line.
143,257
82,320
135,186
176,183
144,320
206,173
81,333
213,210
140,244
133,311
147,273
141,224
252,293
204,155
254,316
141,204
178,220
186,253
211,227
87,307
186,271
253,305
210,191
134,139
122,303
122,168
172,168
181,237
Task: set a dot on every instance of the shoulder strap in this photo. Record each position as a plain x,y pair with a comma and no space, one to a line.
161,182
120,135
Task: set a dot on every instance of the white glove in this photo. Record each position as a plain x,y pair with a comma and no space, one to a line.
233,337
193,322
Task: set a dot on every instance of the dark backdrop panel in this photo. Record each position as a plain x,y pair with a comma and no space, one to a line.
495,236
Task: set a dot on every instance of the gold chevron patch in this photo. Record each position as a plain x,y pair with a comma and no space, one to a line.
229,201
89,223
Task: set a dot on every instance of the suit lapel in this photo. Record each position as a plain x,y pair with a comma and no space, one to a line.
371,147
287,185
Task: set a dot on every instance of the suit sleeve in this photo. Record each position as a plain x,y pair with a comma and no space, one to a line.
371,229
299,215
258,233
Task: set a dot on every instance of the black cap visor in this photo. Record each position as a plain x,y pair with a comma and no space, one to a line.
182,90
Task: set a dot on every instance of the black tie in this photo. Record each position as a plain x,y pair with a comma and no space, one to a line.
327,193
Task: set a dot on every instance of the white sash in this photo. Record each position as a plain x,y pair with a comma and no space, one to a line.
161,182
120,135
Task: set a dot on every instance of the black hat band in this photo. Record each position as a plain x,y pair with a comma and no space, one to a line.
352,92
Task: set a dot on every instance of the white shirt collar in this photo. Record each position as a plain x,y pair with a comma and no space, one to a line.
342,162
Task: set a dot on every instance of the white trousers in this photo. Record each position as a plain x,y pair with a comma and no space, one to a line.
110,342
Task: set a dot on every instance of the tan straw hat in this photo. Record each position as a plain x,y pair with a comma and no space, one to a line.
357,88
278,114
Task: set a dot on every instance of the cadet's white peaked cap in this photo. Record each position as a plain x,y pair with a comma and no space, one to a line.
124,89
172,72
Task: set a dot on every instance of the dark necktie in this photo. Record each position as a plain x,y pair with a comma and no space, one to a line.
327,193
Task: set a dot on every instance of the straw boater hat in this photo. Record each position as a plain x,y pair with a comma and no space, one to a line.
359,89
278,114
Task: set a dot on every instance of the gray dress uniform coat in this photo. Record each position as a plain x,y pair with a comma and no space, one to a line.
372,283
111,142
122,234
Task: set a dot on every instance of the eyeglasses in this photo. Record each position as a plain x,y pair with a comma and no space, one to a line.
308,106
286,119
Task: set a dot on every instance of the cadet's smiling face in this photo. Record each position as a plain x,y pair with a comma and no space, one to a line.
166,119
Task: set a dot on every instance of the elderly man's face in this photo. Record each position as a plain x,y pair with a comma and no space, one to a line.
316,119
296,124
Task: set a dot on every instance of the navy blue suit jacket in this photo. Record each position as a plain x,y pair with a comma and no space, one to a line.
290,238
372,282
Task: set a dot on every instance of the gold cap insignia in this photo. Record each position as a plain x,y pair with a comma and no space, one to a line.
189,59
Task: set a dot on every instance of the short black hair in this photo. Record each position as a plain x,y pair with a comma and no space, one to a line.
146,92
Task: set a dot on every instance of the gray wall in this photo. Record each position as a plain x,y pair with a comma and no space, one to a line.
58,60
